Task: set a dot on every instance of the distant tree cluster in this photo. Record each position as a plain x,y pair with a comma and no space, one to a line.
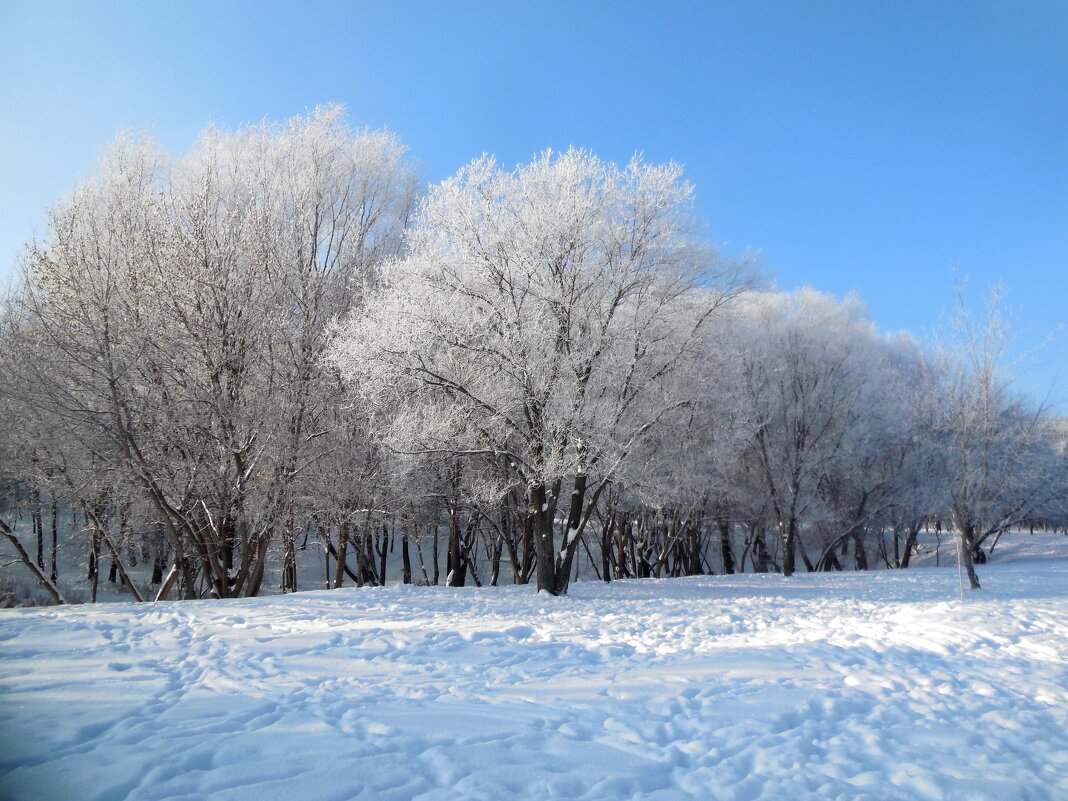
282,336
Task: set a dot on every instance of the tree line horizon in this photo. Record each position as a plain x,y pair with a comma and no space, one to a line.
284,334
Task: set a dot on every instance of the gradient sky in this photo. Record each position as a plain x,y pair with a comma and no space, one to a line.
887,148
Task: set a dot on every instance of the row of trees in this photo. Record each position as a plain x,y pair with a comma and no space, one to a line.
279,335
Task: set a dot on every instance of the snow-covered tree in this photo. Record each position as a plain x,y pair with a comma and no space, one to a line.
805,370
996,451
534,322
180,308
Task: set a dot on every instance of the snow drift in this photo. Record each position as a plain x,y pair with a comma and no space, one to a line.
849,685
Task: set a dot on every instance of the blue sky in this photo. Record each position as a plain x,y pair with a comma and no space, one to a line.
888,148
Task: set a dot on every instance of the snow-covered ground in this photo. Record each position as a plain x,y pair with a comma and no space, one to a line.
831,686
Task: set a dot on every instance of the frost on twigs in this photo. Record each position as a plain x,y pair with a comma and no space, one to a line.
168,335
543,314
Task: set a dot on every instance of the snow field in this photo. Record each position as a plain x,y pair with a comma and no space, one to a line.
830,686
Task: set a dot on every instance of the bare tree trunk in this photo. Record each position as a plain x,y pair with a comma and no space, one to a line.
383,549
406,559
289,561
454,576
761,558
55,539
94,563
437,569
633,570
606,547
572,533
42,579
330,549
92,553
860,556
543,511
496,550
788,546
370,576
528,557
259,542
512,541
342,553
38,527
468,553
725,545
360,546
538,505
116,565
695,562
172,577
422,564
158,560
967,549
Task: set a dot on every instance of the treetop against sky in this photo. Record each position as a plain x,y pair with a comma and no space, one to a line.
887,149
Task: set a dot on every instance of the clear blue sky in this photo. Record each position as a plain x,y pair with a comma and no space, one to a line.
885,147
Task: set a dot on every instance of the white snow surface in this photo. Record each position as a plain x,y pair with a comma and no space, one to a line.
831,686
